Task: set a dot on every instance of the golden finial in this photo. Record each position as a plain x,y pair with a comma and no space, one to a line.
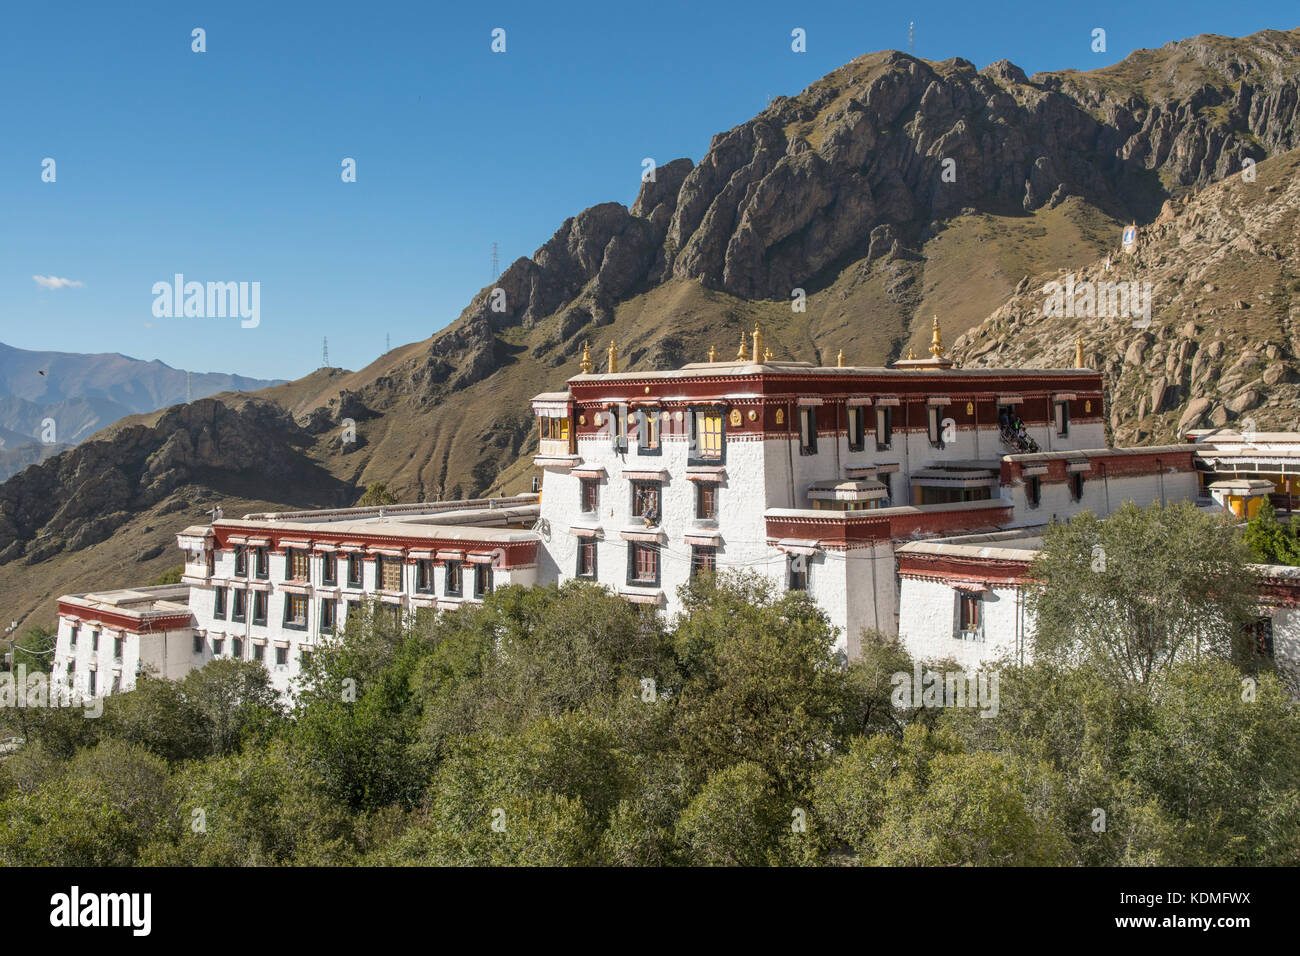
613,356
586,365
936,342
1078,351
758,345
839,359
767,355
713,354
742,353
911,354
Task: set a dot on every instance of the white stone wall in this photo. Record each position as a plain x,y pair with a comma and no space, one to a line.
168,654
1100,496
927,624
1286,641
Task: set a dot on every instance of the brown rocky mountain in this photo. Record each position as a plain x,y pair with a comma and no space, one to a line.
890,190
1224,333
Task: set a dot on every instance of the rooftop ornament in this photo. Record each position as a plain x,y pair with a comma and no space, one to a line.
758,345
613,357
586,365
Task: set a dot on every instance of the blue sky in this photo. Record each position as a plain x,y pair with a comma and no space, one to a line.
225,165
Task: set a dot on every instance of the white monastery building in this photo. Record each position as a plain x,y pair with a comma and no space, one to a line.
906,499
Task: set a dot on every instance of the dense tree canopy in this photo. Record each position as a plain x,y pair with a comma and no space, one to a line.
566,726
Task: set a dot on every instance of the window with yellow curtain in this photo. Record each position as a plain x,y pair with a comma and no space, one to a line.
708,435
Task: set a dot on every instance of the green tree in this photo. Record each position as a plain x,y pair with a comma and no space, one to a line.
35,649
106,804
736,819
1271,542
763,681
1141,589
376,494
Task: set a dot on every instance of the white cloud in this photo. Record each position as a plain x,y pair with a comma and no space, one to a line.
55,282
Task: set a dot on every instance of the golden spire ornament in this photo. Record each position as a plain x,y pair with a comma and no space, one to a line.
613,356
713,354
758,345
742,352
767,355
585,364
936,342
911,354
1078,351
839,359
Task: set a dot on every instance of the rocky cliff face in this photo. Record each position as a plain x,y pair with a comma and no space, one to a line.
1221,342
82,496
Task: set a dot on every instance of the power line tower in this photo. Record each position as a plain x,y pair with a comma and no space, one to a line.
911,37
325,352
495,270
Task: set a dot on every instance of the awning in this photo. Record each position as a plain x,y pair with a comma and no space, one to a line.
549,461
598,472
660,474
889,401
551,409
352,546
802,546
260,542
639,534
418,555
450,555
1078,466
970,587
1011,399
1033,470
707,539
236,539
481,557
579,532
326,547
809,400
295,543
938,401
289,588
638,597
706,473
855,401
389,552
259,585
1064,397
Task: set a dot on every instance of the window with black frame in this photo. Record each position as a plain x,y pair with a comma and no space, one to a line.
884,428
807,430
643,564
857,427
589,492
708,436
424,576
706,501
452,584
354,570
704,559
586,558
647,430
646,501
482,580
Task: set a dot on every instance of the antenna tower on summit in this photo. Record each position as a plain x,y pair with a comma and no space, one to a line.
911,38
496,272
325,352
